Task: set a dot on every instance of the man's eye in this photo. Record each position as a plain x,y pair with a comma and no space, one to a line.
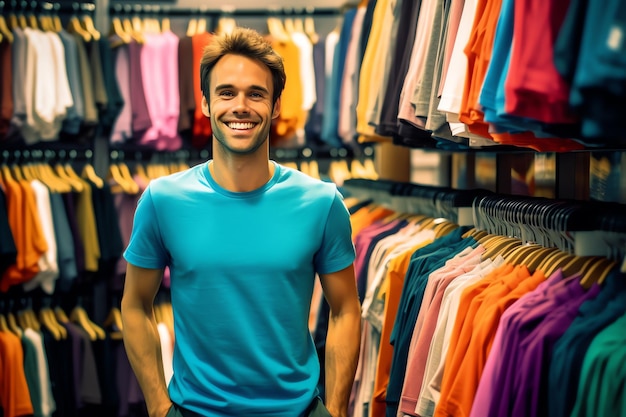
226,93
256,95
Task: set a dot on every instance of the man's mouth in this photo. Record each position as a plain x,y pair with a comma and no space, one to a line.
240,125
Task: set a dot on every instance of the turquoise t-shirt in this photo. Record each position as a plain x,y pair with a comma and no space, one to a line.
242,268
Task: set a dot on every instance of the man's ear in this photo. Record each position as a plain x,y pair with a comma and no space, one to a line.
276,111
205,107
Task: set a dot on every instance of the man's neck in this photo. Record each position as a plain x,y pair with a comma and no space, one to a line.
239,175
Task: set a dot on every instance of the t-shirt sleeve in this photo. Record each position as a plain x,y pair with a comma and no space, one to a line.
145,248
337,249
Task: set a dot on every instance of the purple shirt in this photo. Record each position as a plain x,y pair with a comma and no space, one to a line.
530,395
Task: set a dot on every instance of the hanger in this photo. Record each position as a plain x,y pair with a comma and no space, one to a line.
63,184
5,32
13,326
4,326
89,26
289,25
192,27
114,321
595,270
50,323
277,29
60,315
226,25
80,317
533,260
500,246
56,19
74,26
121,185
90,173
75,183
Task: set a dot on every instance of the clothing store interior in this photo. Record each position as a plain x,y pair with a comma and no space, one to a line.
478,146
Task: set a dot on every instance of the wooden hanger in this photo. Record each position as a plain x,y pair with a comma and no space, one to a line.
596,271
13,21
289,25
500,246
536,258
74,26
309,30
120,184
226,25
5,32
60,315
117,29
49,321
13,326
277,30
4,326
75,183
192,27
89,26
80,317
298,25
90,173
114,321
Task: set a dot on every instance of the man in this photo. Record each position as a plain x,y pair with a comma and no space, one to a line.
244,238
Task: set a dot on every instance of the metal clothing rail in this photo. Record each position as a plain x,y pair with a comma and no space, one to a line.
166,9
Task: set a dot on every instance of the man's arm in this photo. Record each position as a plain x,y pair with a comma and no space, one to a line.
343,338
141,337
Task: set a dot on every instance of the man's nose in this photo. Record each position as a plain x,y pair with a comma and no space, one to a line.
241,103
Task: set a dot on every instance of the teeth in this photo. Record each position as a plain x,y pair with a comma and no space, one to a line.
241,126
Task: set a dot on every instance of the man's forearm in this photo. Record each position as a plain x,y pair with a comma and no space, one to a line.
143,348
342,355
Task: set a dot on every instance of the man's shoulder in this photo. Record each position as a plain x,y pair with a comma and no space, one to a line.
176,184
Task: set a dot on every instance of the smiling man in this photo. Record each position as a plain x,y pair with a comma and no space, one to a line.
244,239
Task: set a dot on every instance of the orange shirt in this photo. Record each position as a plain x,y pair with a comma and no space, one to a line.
292,115
14,395
27,232
365,216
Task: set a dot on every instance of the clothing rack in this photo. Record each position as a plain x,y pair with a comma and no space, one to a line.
583,228
167,10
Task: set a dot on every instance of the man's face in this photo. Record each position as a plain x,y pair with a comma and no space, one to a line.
240,104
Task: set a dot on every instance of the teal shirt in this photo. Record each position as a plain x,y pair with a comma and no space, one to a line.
242,269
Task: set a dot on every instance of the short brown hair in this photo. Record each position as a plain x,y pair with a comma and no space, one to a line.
248,43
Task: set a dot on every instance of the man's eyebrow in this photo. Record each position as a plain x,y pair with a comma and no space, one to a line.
252,87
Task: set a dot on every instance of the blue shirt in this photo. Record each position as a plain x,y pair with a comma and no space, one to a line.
242,268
